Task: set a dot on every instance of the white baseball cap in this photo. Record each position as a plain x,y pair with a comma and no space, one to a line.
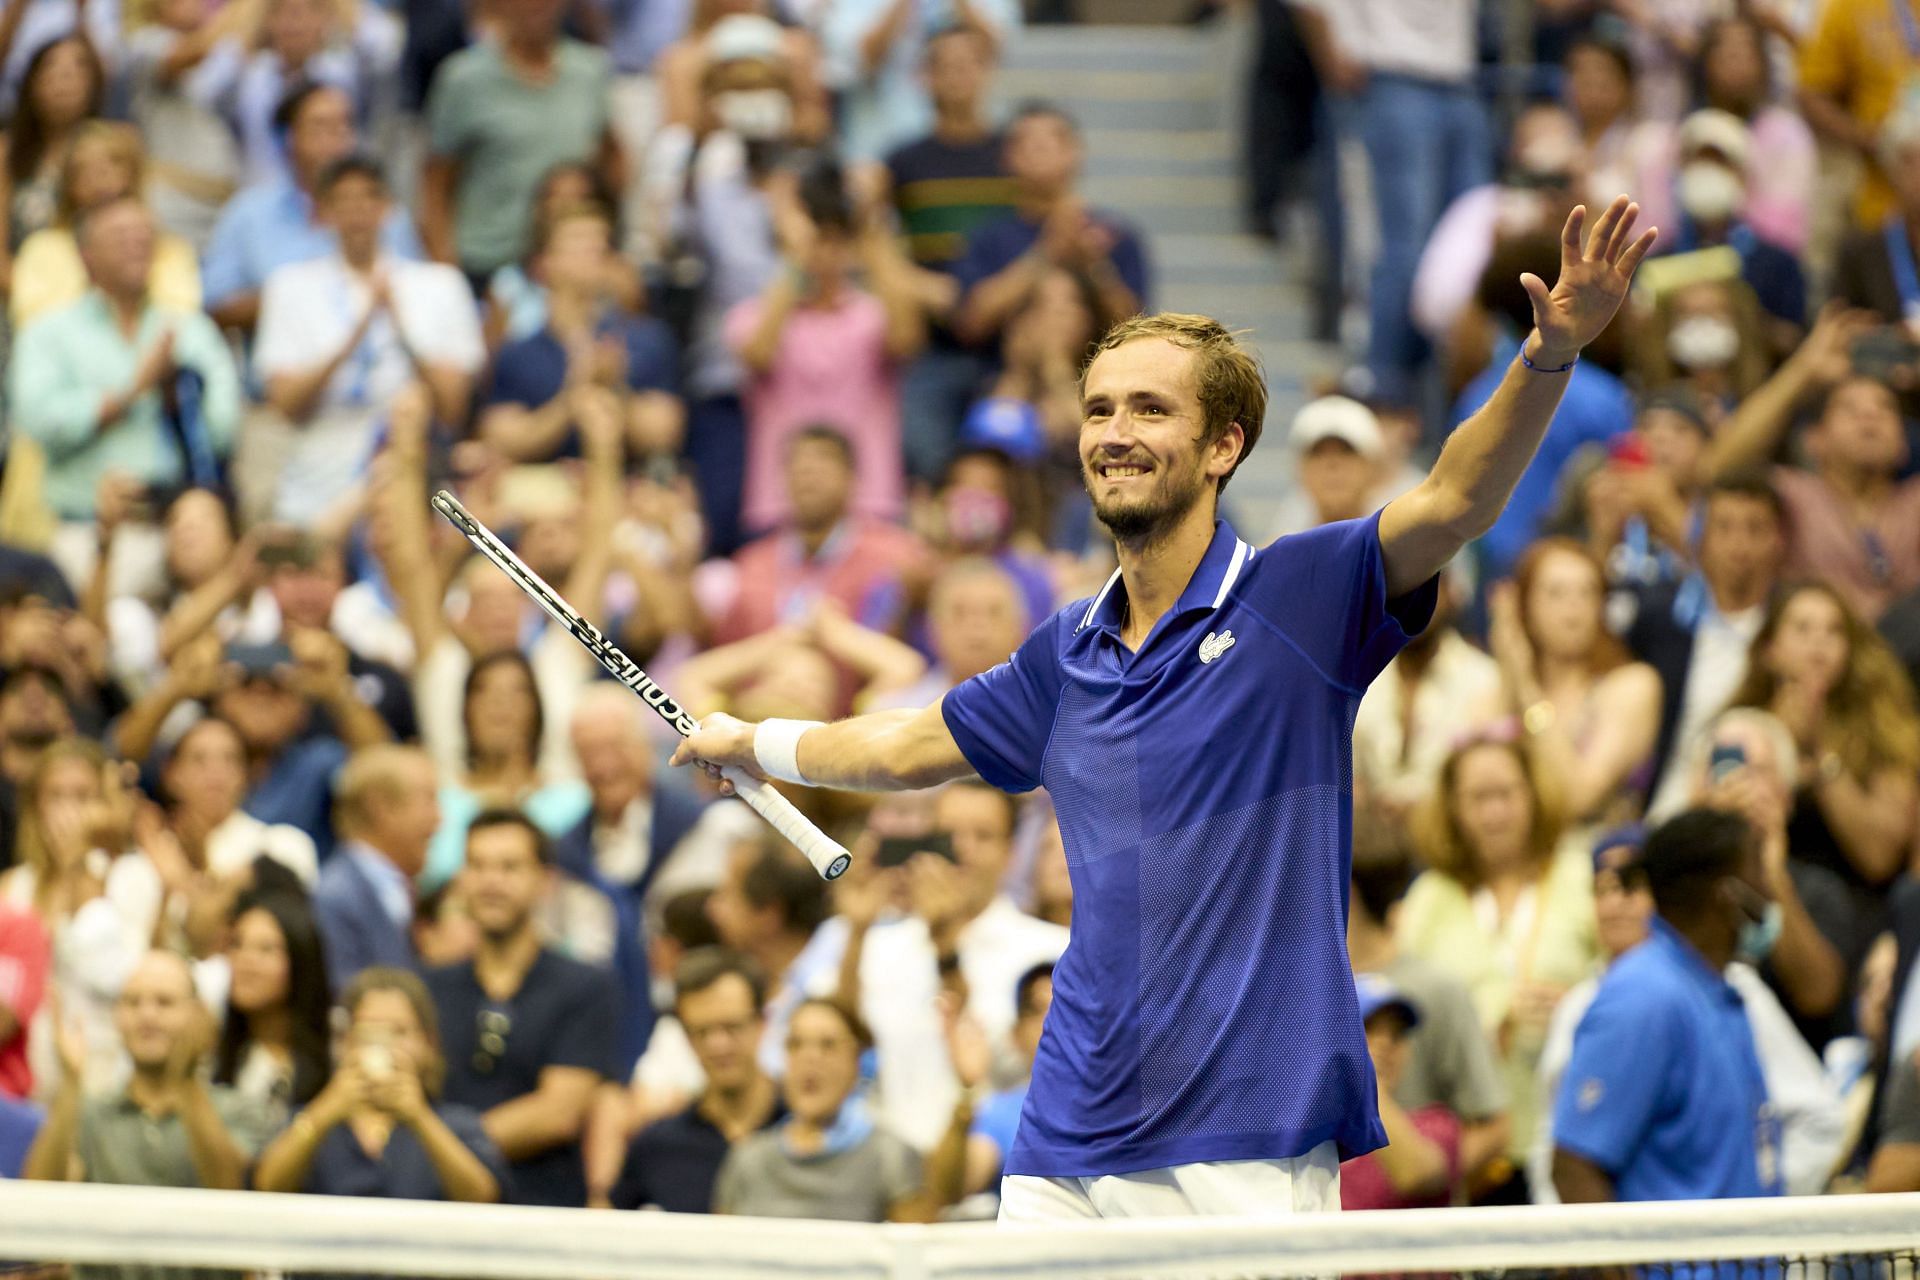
1337,418
1711,129
745,37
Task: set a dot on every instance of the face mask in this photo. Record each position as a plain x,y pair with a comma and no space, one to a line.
1758,937
1710,192
1703,342
756,115
977,517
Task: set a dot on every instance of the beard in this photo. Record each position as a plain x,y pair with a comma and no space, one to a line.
1145,518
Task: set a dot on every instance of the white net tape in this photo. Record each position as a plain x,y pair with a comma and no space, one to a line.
257,1232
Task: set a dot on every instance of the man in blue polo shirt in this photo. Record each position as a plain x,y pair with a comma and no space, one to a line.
1664,1098
1193,725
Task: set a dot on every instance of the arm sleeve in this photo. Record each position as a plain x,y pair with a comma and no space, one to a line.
343,946
1001,719
447,112
51,401
449,331
1354,630
1613,1086
653,361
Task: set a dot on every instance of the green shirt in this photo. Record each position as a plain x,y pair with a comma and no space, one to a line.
504,133
66,363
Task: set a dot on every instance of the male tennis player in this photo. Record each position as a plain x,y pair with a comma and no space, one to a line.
1192,722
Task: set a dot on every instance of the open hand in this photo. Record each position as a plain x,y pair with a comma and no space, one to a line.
1593,281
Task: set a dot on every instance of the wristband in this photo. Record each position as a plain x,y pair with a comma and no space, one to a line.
1538,368
776,748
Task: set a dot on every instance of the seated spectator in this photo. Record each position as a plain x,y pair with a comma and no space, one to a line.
65,84
975,619
165,1128
181,61
999,268
1590,713
1663,1097
1031,410
674,1162
1707,337
25,953
1642,497
818,348
828,1159
827,552
379,1128
529,1035
1449,1060
104,162
114,382
982,1156
961,923
1695,631
95,895
1874,263
531,399
33,716
355,50
387,802
340,335
1420,1167
272,223
273,1046
502,113
516,298
1851,521
1492,835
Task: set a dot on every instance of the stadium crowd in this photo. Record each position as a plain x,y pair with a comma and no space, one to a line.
328,865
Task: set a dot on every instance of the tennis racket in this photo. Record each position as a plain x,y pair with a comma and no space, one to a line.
828,858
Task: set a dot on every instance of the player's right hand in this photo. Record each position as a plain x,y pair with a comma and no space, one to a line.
721,742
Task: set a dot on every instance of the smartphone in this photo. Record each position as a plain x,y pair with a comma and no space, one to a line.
1727,758
375,1047
1629,449
896,850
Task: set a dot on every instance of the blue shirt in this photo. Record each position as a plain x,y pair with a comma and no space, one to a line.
994,246
998,1119
268,226
533,370
1664,1089
298,789
403,1170
1204,1009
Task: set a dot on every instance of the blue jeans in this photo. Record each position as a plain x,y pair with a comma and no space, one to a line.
1426,144
716,449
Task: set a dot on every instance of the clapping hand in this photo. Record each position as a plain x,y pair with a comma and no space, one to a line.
1593,281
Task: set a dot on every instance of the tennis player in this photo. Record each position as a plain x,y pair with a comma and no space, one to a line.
1192,723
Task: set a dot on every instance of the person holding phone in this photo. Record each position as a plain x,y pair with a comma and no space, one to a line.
379,1128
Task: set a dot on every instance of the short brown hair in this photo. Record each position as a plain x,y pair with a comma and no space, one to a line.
1231,385
700,969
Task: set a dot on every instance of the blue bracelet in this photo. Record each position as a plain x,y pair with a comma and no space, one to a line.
1537,369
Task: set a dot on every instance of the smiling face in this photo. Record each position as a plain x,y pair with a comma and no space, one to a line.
1143,458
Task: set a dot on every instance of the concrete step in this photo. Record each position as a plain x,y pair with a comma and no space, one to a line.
1120,48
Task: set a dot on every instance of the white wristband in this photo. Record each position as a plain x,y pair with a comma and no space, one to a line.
776,748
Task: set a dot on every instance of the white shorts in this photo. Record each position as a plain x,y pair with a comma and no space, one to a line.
1239,1188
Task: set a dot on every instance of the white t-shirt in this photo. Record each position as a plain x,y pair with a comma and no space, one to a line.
1425,39
1718,665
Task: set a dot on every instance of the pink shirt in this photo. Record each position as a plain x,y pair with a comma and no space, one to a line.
776,582
1364,1184
1870,566
831,369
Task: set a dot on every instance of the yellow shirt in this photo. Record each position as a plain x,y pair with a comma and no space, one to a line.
1858,55
1547,938
48,274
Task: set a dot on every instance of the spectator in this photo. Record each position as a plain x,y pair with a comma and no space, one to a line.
1663,1097
33,716
1591,714
1491,834
25,953
1642,499
93,893
388,809
379,1128
876,52
1853,66
720,34
1836,687
1695,632
1337,448
1420,1167
64,85
942,186
43,22
819,349
1734,73
273,222
828,1159
114,382
273,1045
976,618
44,632
1051,226
1851,522
516,297
104,162
165,1128
1031,410
673,1163
982,1155
502,113
529,1035
1623,148
180,62
340,335
531,401
1708,338
962,926
1449,1061
355,50
769,908
206,576
1875,264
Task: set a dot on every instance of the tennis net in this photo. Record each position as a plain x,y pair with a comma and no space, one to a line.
47,1228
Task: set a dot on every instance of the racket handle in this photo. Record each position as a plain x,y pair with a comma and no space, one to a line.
824,852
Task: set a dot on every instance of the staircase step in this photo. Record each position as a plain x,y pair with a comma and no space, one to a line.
1159,144
1071,48
1092,80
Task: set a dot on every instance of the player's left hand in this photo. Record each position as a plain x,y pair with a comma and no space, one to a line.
1593,280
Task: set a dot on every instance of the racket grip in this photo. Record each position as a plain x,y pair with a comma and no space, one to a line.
824,852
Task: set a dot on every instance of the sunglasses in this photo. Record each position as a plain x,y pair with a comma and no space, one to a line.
491,1026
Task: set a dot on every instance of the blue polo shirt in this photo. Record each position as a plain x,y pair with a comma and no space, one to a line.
1204,1009
1664,1089
268,226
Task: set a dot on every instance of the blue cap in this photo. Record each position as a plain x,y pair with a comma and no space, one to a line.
1376,993
1004,423
1631,835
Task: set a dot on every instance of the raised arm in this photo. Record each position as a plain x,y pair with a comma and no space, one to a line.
904,750
1485,456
